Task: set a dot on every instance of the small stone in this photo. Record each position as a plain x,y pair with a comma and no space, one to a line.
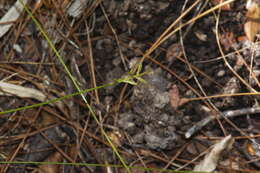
221,73
17,48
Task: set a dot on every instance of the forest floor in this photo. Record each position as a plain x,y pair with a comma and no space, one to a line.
129,86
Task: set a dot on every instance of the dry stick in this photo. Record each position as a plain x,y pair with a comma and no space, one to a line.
193,160
8,22
198,10
138,155
158,157
92,65
24,62
253,54
226,114
175,156
28,75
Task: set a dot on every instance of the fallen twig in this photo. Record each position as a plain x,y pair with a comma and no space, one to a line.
226,114
7,89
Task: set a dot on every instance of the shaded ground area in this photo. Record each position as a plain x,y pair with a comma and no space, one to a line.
156,111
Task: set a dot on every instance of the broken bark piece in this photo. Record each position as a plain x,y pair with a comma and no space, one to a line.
11,16
76,8
7,89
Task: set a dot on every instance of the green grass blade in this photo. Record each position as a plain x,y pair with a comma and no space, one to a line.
57,99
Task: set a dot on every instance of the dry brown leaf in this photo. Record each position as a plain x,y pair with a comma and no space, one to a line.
173,51
251,29
210,161
116,137
252,26
174,97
